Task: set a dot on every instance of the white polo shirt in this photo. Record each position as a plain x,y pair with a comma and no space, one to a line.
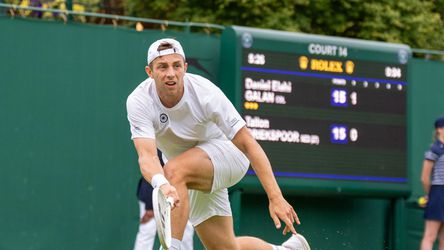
203,113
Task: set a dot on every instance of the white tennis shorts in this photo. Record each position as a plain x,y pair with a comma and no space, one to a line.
230,165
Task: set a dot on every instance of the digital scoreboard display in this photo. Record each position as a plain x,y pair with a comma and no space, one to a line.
328,110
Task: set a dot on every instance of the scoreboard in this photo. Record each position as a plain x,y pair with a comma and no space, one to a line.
330,113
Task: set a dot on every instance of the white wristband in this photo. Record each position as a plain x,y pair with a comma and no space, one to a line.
158,180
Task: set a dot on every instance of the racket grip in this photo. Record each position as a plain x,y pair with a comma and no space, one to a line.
170,201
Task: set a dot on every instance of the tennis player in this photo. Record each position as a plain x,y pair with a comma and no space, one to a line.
209,149
432,179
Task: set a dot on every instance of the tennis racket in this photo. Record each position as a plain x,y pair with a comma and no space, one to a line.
162,214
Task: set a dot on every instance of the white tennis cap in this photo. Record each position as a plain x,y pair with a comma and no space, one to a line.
153,53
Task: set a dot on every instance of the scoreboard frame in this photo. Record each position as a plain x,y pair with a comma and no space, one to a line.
333,55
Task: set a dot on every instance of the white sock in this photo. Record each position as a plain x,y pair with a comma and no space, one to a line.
175,244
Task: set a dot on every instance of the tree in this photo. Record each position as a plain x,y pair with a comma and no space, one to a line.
418,23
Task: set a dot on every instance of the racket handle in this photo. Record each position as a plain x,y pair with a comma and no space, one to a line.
170,200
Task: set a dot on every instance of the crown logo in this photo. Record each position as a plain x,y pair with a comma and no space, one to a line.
303,62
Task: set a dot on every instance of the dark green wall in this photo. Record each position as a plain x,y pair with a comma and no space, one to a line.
68,170
427,90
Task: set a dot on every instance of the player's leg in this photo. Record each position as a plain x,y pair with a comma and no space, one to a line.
441,236
188,235
252,243
190,170
217,233
146,233
431,229
295,242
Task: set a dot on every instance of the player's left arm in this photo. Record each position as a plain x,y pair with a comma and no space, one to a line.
147,216
279,208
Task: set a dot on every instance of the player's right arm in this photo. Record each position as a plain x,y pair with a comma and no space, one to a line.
151,168
149,162
140,116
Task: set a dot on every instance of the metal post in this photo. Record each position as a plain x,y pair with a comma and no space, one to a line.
399,224
69,9
236,207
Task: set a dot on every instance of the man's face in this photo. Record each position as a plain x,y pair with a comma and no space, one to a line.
168,72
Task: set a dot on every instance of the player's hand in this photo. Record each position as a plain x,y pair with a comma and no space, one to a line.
170,191
147,216
281,210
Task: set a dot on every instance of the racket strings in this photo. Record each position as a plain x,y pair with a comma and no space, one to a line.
163,213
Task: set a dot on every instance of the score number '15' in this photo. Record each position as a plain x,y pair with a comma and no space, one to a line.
339,97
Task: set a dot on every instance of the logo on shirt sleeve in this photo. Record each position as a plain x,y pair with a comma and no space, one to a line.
233,122
163,118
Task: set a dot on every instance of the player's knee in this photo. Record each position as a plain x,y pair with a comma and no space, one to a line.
174,173
430,237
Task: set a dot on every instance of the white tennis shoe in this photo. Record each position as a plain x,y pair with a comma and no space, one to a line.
296,242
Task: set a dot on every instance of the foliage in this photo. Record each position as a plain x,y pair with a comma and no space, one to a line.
418,23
